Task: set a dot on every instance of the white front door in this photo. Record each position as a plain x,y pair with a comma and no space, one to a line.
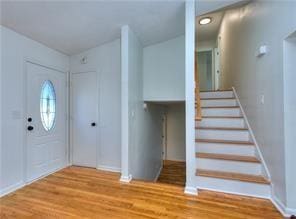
46,120
84,118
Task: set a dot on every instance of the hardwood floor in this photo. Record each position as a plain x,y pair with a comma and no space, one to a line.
77,192
173,172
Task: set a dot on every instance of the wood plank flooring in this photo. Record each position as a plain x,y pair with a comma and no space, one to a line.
173,172
77,192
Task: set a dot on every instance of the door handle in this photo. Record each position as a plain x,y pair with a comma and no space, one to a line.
30,128
93,124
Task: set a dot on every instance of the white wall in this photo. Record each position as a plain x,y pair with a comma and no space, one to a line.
15,48
142,149
242,32
205,45
164,70
290,118
176,132
105,60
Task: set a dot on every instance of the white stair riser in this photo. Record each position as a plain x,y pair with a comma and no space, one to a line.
221,112
234,187
222,135
219,122
222,102
233,149
217,94
229,166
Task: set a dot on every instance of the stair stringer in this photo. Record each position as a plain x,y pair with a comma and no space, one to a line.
258,152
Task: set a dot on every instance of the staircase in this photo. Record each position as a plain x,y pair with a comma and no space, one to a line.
225,153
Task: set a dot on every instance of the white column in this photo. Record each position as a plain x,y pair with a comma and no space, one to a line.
190,96
125,174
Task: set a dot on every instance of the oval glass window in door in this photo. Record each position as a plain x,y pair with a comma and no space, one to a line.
48,105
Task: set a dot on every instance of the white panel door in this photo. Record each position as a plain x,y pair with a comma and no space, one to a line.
84,118
46,138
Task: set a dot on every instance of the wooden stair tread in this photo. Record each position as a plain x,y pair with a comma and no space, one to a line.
228,157
197,118
232,176
224,141
217,98
222,128
223,117
219,107
205,91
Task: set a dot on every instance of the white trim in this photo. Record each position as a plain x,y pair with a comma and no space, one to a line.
285,211
45,65
233,193
190,190
11,188
279,205
265,169
109,168
205,49
126,179
158,173
68,152
22,184
290,211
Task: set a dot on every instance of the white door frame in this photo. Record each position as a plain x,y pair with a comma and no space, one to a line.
25,113
164,136
71,117
217,70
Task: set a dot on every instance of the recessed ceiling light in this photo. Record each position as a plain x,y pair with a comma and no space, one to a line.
205,20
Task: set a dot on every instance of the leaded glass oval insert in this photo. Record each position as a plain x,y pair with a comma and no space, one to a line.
48,105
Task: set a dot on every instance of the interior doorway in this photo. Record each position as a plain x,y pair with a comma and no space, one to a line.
205,70
173,134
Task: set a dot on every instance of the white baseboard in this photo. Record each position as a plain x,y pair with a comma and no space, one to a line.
291,211
47,174
279,205
158,174
126,179
109,168
11,188
232,193
285,211
21,184
189,190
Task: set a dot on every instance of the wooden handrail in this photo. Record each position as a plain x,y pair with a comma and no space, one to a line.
198,115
